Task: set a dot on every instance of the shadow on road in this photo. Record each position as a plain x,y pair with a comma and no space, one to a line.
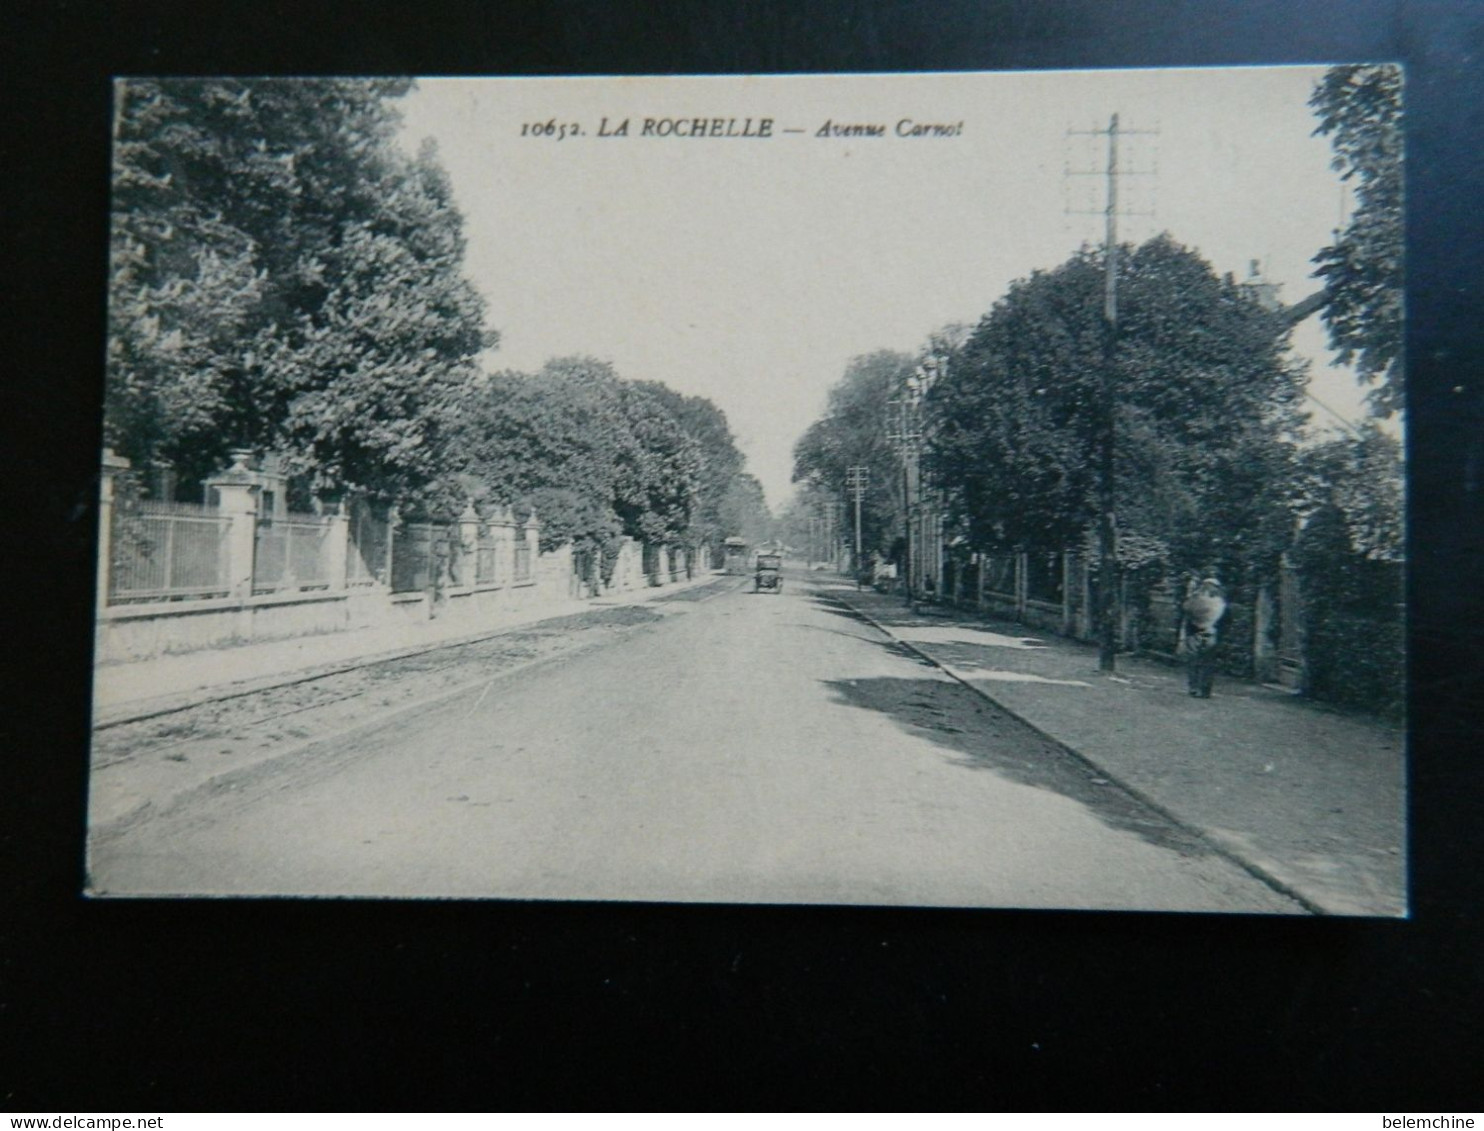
977,735
826,603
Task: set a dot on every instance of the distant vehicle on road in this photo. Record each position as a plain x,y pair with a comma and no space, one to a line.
735,560
769,573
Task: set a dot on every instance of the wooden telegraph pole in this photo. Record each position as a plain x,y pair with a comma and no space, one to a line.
1108,517
904,432
1108,571
856,478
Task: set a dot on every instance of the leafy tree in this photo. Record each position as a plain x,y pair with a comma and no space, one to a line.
743,511
658,468
548,440
853,433
1015,420
597,456
1205,403
1360,109
284,278
721,485
1349,557
1361,478
804,522
366,385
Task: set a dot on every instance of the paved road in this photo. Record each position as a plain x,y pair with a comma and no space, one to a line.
741,748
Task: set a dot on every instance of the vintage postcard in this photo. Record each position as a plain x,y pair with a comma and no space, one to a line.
946,490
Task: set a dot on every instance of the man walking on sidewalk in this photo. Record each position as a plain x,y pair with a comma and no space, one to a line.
1205,605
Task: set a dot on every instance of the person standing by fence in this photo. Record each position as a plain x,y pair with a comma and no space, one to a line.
1205,605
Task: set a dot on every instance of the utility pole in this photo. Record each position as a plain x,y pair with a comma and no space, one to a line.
1108,571
904,431
929,538
1108,579
856,478
836,538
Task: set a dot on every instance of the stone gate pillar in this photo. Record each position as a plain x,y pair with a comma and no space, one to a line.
393,520
532,527
1068,609
503,528
113,467
337,544
1264,633
468,546
237,500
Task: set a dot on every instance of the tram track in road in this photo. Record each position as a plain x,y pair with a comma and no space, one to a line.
297,708
146,766
325,676
638,760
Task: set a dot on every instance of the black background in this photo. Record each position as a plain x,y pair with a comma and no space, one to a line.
244,1005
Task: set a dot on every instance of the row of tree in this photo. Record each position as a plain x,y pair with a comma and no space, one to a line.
600,457
285,278
853,433
1205,412
1211,468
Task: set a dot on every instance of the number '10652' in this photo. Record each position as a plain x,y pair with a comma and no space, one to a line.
552,129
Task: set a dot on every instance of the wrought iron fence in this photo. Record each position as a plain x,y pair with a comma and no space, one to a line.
291,553
410,559
1043,577
427,557
960,578
485,572
167,551
365,562
1159,624
999,574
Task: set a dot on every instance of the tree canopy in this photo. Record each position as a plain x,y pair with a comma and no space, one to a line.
1360,110
743,511
597,456
805,523
853,433
728,501
1205,402
1360,478
284,278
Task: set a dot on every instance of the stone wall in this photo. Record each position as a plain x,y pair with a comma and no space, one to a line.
144,631
349,571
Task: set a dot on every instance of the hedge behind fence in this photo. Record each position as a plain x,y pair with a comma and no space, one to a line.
1358,661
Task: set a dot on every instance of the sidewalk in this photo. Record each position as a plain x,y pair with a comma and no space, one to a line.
1310,796
127,691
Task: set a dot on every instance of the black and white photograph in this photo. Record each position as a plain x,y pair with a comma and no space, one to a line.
952,490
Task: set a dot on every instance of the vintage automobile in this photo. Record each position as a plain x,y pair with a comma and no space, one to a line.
769,573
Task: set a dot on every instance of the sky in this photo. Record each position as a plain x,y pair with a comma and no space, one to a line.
751,269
